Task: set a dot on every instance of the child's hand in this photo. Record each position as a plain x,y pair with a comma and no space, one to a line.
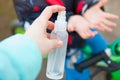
100,19
37,31
81,26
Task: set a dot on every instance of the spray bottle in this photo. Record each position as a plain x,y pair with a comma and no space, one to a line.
56,58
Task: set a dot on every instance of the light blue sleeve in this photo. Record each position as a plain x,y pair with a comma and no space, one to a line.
20,58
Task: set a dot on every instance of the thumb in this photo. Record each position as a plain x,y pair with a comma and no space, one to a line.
55,43
101,3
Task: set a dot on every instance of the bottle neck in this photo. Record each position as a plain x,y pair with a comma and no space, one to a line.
60,26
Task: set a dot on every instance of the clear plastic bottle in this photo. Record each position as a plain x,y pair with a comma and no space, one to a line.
56,59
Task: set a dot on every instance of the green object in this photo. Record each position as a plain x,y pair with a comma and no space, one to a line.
101,63
46,57
116,74
19,30
115,47
87,50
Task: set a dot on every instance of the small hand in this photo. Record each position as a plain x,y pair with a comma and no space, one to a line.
81,26
37,31
100,19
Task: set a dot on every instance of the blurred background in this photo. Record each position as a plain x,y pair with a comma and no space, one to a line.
8,15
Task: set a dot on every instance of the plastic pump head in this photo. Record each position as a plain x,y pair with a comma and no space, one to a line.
60,23
61,16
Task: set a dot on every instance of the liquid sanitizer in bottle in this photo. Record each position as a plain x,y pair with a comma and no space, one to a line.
56,59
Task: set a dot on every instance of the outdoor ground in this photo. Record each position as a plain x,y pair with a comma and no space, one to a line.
7,15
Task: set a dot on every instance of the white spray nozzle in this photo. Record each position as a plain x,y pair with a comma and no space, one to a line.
61,16
60,23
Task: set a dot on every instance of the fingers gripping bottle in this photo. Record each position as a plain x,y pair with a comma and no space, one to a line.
56,59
